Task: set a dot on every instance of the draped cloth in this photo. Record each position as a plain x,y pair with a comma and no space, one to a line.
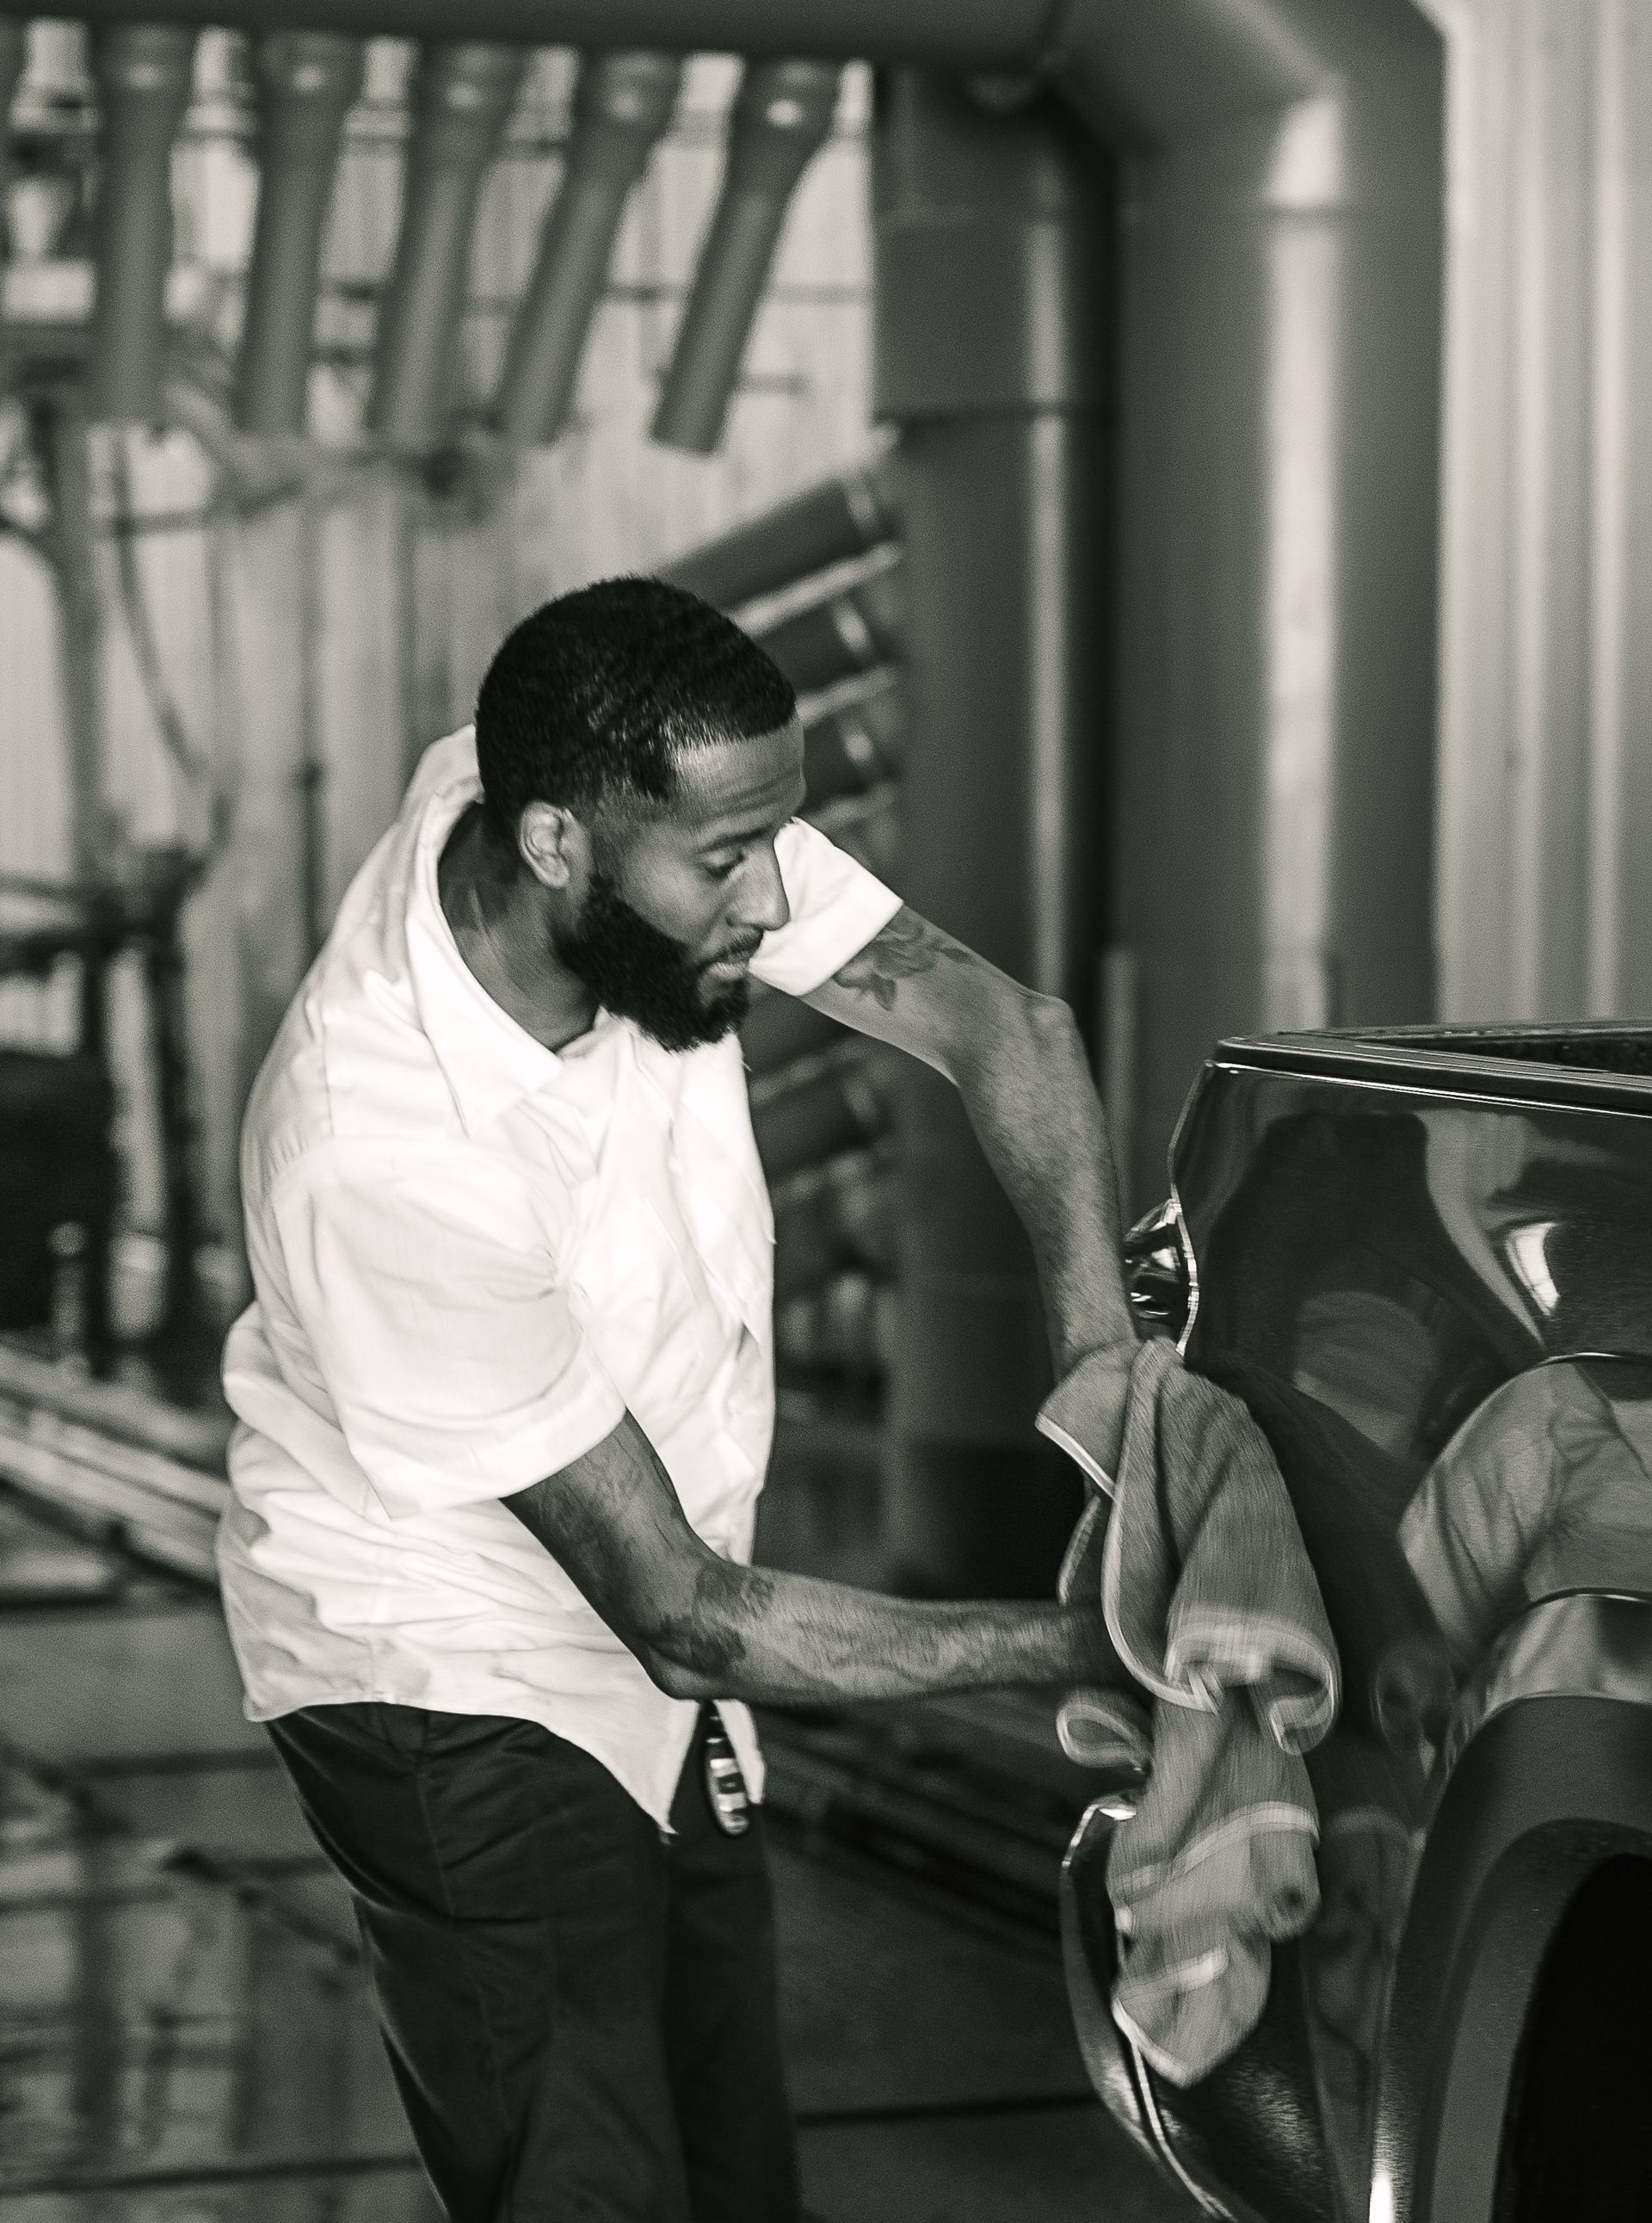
1227,1675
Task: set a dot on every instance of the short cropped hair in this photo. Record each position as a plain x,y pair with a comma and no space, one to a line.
592,699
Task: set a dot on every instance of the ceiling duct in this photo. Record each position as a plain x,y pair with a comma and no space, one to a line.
307,82
143,74
462,100
622,105
782,115
825,525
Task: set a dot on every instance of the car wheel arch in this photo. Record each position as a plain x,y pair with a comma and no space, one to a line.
1551,1783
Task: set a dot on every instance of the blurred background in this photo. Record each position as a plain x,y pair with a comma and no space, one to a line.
1193,463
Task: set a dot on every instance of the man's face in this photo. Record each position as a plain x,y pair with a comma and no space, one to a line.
677,902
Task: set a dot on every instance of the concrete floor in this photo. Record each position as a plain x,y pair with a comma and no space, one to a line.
184,2032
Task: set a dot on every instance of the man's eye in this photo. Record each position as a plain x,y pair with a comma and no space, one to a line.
723,872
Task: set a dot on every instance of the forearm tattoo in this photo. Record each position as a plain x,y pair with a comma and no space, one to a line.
908,946
710,1639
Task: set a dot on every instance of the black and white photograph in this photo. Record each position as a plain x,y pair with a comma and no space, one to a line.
825,1111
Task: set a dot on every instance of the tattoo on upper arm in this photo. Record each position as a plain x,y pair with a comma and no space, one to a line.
908,946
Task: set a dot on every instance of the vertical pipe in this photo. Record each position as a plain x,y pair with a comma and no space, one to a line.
143,74
311,775
102,943
14,52
1277,520
992,355
782,115
622,105
265,867
165,981
61,437
463,100
307,81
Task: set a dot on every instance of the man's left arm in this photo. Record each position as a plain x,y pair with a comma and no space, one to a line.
1017,1061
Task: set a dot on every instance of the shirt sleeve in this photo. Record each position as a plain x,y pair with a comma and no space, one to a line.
432,1308
837,907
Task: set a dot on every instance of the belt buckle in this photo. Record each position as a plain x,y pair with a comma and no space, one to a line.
726,1790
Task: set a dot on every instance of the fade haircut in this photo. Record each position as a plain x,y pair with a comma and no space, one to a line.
592,700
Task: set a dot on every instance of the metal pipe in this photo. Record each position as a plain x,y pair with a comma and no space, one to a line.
964,35
1141,76
61,441
854,628
462,99
846,1328
14,53
307,81
812,1110
143,74
778,1029
998,226
856,741
829,1216
827,523
1144,77
782,115
622,106
1278,525
868,826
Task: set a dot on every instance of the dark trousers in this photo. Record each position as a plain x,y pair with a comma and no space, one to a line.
580,2016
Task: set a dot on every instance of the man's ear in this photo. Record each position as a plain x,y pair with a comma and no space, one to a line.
554,846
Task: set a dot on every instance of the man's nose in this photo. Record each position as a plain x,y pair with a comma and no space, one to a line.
764,905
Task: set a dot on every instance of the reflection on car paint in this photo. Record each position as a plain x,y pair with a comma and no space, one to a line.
1440,1312
1600,1646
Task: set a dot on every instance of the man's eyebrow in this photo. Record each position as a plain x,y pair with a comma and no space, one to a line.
737,836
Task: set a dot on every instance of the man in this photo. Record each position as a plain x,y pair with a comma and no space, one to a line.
505,1395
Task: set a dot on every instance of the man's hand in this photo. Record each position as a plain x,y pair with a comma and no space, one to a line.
1019,1064
704,1627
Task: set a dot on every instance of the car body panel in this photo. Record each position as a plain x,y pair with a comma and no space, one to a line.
1425,1259
1547,1776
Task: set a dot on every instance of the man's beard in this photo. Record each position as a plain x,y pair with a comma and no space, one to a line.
639,973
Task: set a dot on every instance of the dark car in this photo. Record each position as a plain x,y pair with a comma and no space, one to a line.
1423,1258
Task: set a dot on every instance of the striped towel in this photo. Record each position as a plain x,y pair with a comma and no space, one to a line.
1217,1621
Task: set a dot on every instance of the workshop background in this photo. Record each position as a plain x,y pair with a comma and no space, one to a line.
1194,464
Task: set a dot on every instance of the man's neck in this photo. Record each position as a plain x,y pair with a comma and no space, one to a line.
501,933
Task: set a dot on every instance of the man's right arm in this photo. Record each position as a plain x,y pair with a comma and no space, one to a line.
705,1627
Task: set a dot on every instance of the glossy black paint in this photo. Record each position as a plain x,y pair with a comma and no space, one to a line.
1376,1241
1552,1783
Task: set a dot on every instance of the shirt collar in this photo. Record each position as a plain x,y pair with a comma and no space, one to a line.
488,1061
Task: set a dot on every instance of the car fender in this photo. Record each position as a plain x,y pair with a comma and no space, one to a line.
1246,2142
1547,1775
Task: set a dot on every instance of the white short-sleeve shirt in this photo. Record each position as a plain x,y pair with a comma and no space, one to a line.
470,1255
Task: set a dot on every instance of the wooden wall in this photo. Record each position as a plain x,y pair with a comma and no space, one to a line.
320,615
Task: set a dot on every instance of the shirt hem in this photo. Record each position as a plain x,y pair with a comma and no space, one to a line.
260,1712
